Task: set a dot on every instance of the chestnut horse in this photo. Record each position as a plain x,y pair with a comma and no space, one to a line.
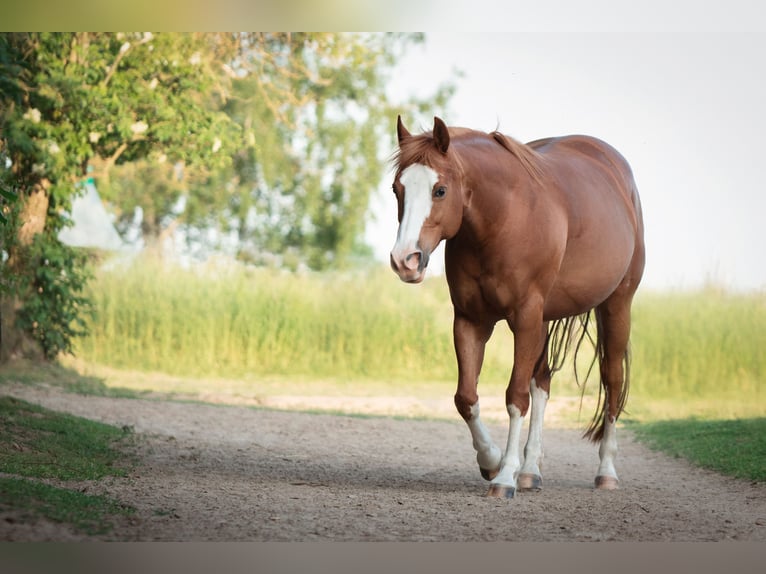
538,235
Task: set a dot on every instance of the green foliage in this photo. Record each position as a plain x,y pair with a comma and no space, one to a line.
75,102
7,196
154,188
79,97
37,443
733,447
316,129
8,206
275,139
56,308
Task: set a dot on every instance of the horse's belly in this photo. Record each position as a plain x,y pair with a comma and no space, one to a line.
595,262
578,292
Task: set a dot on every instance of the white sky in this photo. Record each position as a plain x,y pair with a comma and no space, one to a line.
686,110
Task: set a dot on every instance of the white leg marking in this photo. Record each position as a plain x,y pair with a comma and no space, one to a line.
607,451
533,451
418,181
511,462
487,454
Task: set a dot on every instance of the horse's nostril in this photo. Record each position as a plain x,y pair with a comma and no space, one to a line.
412,261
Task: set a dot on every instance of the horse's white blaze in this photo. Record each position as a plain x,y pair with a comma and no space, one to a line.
533,451
487,454
418,181
607,451
509,467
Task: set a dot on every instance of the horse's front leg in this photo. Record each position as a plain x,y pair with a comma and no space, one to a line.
530,477
528,346
470,340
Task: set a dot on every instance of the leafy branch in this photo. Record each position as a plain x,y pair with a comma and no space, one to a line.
7,196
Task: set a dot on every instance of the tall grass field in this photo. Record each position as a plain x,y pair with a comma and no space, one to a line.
699,352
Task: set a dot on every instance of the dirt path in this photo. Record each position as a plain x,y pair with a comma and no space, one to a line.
225,473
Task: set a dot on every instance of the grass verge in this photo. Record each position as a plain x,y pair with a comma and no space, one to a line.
39,445
87,513
733,447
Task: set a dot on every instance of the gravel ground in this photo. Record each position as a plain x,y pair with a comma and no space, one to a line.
236,473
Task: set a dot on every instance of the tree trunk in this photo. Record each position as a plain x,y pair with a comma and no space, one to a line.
156,239
15,343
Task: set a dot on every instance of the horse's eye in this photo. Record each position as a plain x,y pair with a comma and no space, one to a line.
441,191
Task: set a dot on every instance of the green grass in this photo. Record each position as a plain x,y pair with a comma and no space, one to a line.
36,443
85,512
733,447
236,324
40,443
368,328
706,343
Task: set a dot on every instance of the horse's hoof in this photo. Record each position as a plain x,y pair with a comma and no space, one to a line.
488,474
500,491
607,483
528,481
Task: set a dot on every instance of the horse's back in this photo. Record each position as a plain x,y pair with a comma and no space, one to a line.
577,157
586,148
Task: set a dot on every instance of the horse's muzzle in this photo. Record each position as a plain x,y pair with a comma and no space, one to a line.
410,267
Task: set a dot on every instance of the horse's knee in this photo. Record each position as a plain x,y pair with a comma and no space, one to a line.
464,401
519,399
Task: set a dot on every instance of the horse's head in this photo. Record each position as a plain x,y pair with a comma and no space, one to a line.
428,188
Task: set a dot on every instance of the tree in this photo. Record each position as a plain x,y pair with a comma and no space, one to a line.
75,102
316,127
276,138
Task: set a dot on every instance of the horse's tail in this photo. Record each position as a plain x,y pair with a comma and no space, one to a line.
562,334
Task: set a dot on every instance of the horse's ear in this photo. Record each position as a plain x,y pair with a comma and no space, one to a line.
441,135
401,131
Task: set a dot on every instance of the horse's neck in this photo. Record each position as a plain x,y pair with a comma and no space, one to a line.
493,189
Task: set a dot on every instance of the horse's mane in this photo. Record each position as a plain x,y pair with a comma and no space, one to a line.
418,149
415,149
411,151
529,158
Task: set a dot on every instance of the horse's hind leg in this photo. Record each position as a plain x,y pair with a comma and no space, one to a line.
613,319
